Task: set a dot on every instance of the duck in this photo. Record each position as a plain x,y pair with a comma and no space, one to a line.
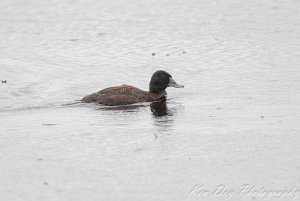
126,94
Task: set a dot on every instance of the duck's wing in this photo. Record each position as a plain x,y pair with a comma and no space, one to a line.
123,89
119,95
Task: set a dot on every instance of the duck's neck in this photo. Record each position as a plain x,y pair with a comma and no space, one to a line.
157,95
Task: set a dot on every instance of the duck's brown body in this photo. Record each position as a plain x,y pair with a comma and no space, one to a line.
123,95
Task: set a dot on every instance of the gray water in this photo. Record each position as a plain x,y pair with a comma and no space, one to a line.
235,123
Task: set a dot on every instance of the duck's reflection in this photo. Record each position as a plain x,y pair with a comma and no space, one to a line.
163,117
159,108
125,108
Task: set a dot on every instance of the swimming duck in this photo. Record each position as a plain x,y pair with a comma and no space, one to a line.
125,94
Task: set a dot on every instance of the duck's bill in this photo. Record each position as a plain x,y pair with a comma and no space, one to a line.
172,83
178,86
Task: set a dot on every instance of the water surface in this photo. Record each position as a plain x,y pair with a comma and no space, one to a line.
236,121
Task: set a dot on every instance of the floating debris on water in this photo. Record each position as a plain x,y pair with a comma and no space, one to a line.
49,124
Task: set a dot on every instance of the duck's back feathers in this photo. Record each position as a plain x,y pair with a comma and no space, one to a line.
123,89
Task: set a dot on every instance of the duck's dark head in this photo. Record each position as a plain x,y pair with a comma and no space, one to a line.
160,80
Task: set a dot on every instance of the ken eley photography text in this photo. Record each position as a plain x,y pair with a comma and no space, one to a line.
246,190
